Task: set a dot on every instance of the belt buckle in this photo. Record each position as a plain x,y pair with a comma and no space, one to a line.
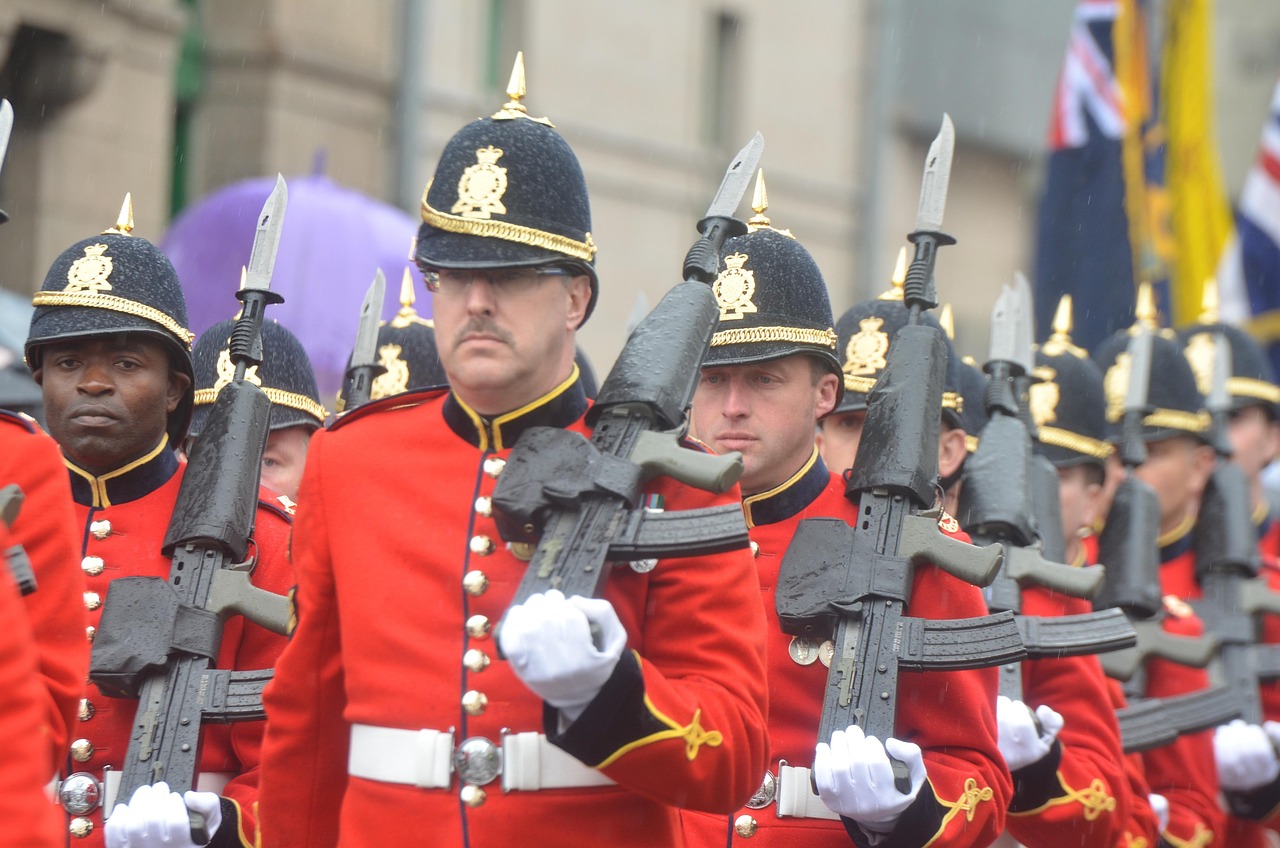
477,760
765,794
80,793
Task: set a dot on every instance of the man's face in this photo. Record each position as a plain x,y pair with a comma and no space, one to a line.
107,398
284,459
1079,494
1177,468
506,339
1254,440
766,410
838,438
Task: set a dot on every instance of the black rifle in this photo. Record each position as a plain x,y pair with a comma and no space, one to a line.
159,639
997,506
579,499
1154,722
854,586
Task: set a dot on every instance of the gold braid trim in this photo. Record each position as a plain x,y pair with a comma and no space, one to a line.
951,400
584,250
751,335
970,443
279,397
1093,800
115,304
1176,419
1075,442
1200,839
852,383
966,804
1254,388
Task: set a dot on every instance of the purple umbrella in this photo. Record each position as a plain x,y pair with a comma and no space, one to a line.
333,241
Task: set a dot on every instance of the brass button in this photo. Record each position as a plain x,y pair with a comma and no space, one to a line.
493,466
91,565
100,529
755,548
90,632
478,626
81,750
80,827
481,545
86,710
475,660
475,583
744,826
523,551
472,796
475,702
484,507
92,600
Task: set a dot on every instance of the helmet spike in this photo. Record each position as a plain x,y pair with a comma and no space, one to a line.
1145,309
1063,324
948,321
124,221
1209,304
759,202
516,91
899,278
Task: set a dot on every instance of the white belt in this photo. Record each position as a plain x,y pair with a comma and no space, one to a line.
796,797
425,758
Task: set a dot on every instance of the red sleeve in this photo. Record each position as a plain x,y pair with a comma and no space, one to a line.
304,754
46,528
1142,826
1083,800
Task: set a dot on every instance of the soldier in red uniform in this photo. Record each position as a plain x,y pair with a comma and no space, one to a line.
110,348
771,374
396,715
1178,466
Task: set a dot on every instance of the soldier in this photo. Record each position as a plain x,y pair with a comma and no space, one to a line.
1178,466
381,689
286,377
110,349
771,375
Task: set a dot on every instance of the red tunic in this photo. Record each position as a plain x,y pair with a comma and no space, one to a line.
950,715
124,516
1076,795
1142,826
394,515
47,529
30,821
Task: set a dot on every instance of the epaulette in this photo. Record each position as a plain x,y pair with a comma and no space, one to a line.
281,505
411,398
21,419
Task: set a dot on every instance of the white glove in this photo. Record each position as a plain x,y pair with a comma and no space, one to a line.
548,641
158,818
1021,743
854,777
1246,756
1160,805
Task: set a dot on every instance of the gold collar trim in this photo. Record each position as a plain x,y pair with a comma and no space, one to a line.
1186,526
98,483
776,490
584,250
490,432
115,304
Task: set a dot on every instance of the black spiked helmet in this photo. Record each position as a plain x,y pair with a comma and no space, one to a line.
115,283
772,297
285,376
1252,381
1068,403
508,192
973,407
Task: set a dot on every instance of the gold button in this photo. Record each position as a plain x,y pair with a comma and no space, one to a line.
86,710
100,529
472,796
481,545
475,702
92,600
493,466
523,551
475,582
478,626
80,827
81,750
744,826
90,632
755,548
91,565
484,507
475,660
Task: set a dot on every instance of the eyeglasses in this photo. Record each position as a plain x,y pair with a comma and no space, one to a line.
503,281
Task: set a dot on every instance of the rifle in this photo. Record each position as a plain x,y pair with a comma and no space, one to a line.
364,367
996,506
15,556
579,499
1155,722
854,587
1233,594
159,639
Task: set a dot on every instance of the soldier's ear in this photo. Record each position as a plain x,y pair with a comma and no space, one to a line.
951,451
827,387
579,290
1203,460
178,385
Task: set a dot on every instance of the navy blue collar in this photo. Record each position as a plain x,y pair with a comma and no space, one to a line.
788,499
560,407
129,482
1177,541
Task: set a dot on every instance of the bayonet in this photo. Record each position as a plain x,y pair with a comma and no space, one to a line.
364,368
918,289
703,259
266,237
6,129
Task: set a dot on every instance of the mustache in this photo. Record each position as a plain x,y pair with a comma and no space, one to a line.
484,326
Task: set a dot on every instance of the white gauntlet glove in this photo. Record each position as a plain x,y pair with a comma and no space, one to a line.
1021,742
158,818
1246,755
854,777
548,641
1160,806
